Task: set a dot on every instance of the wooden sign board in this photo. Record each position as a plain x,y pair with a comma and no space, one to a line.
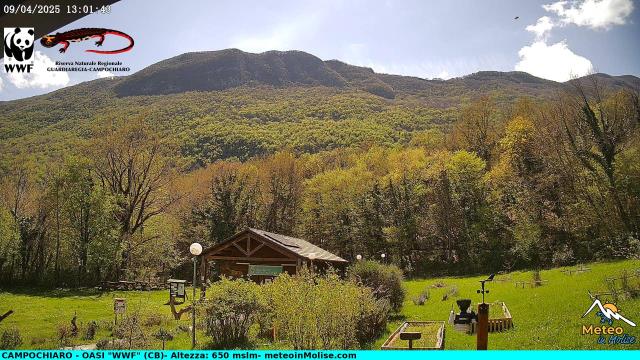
265,270
119,306
176,290
410,335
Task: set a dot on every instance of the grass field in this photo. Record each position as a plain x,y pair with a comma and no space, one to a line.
39,313
545,317
428,339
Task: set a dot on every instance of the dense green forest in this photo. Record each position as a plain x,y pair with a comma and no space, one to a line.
495,171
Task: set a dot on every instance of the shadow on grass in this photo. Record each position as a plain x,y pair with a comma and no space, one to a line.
52,293
397,317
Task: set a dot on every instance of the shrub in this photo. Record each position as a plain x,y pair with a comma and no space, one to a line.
154,319
422,298
10,339
106,344
384,280
103,344
131,332
373,318
324,312
65,334
229,312
163,335
452,292
90,333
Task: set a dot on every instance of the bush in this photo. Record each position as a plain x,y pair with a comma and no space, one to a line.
65,334
10,339
106,344
90,333
164,336
451,292
384,280
230,310
373,318
422,298
131,332
154,319
324,312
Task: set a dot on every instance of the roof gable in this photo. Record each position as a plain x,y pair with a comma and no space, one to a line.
301,247
294,246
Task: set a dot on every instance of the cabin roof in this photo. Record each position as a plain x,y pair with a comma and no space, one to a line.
299,247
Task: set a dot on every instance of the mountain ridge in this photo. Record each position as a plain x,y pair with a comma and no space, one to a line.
230,68
231,104
225,69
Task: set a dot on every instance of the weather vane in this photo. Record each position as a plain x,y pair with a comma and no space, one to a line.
483,291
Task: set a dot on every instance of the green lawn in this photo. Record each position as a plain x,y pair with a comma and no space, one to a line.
39,313
546,317
428,339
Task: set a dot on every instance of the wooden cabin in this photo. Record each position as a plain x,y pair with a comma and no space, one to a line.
261,255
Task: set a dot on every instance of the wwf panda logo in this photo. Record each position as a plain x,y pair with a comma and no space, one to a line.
18,44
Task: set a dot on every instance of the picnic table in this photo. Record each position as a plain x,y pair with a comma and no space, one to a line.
575,271
530,283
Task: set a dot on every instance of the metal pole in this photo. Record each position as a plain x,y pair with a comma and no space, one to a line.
193,307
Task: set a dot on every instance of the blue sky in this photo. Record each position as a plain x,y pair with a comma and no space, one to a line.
435,38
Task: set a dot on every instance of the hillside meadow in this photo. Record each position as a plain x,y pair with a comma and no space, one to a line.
545,317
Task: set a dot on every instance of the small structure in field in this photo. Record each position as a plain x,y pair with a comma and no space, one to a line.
261,255
431,336
499,318
462,320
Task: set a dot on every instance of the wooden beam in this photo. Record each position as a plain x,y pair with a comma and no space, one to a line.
248,258
229,243
235,243
255,249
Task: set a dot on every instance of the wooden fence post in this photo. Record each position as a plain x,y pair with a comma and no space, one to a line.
483,327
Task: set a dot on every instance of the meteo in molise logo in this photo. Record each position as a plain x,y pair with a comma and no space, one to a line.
18,49
608,313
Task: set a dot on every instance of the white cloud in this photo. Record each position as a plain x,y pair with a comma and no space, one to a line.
554,62
596,14
104,74
40,77
557,62
541,28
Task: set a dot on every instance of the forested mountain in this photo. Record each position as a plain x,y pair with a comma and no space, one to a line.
228,103
112,178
